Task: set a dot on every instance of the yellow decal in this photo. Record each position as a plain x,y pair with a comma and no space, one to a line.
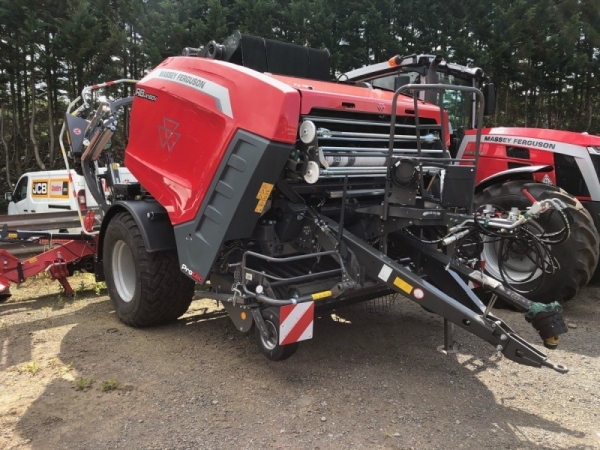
12,235
320,295
263,196
53,188
32,260
403,285
115,166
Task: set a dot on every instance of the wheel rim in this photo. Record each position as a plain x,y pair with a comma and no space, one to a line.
273,340
123,269
518,268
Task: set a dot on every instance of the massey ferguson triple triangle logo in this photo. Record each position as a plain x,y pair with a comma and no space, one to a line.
168,136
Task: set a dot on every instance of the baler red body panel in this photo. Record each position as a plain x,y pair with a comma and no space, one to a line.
178,140
322,94
187,110
338,96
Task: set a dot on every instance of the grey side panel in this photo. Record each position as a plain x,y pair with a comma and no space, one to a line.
231,207
152,220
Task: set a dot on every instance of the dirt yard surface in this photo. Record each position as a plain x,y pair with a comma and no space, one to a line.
73,377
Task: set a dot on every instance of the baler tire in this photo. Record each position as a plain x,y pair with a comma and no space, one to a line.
577,257
157,291
272,350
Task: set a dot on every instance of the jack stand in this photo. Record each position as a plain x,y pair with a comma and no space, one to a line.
450,346
66,286
58,271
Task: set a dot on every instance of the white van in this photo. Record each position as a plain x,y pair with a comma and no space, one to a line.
51,191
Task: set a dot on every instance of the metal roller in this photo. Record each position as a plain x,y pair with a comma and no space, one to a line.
355,161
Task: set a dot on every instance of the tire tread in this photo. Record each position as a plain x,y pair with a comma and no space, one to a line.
166,293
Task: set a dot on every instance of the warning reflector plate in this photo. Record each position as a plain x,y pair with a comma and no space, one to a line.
296,322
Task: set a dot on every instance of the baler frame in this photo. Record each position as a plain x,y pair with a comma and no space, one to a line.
466,309
383,259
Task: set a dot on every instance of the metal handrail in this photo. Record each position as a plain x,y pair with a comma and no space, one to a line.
428,87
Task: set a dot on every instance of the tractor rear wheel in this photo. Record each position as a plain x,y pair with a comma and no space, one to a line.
145,288
577,257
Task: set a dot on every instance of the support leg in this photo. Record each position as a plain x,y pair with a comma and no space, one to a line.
450,345
66,286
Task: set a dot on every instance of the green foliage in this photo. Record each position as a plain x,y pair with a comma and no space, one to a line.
110,385
30,367
61,369
99,287
60,301
543,55
83,383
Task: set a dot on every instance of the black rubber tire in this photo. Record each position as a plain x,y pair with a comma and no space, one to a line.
273,350
577,257
160,293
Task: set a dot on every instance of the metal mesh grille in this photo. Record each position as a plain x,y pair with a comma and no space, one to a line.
346,131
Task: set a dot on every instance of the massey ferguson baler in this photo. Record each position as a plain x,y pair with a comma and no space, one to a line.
281,192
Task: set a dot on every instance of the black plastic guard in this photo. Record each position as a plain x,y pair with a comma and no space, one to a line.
237,197
152,220
76,128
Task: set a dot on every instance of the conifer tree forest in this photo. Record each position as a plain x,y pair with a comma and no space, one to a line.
543,55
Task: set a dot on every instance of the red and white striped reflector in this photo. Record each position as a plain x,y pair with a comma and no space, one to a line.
296,322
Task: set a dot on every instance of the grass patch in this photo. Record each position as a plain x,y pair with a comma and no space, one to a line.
83,383
110,385
60,301
99,287
31,367
61,369
40,286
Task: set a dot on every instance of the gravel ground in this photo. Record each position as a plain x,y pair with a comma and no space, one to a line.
371,378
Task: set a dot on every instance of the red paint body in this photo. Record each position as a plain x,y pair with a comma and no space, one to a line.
54,261
493,157
268,106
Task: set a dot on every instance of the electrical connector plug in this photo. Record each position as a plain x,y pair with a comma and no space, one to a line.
548,322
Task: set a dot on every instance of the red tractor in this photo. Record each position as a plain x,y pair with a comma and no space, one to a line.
281,193
516,167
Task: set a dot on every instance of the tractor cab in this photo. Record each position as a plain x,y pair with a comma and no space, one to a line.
429,69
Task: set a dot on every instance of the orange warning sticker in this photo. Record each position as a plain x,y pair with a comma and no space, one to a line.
263,195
